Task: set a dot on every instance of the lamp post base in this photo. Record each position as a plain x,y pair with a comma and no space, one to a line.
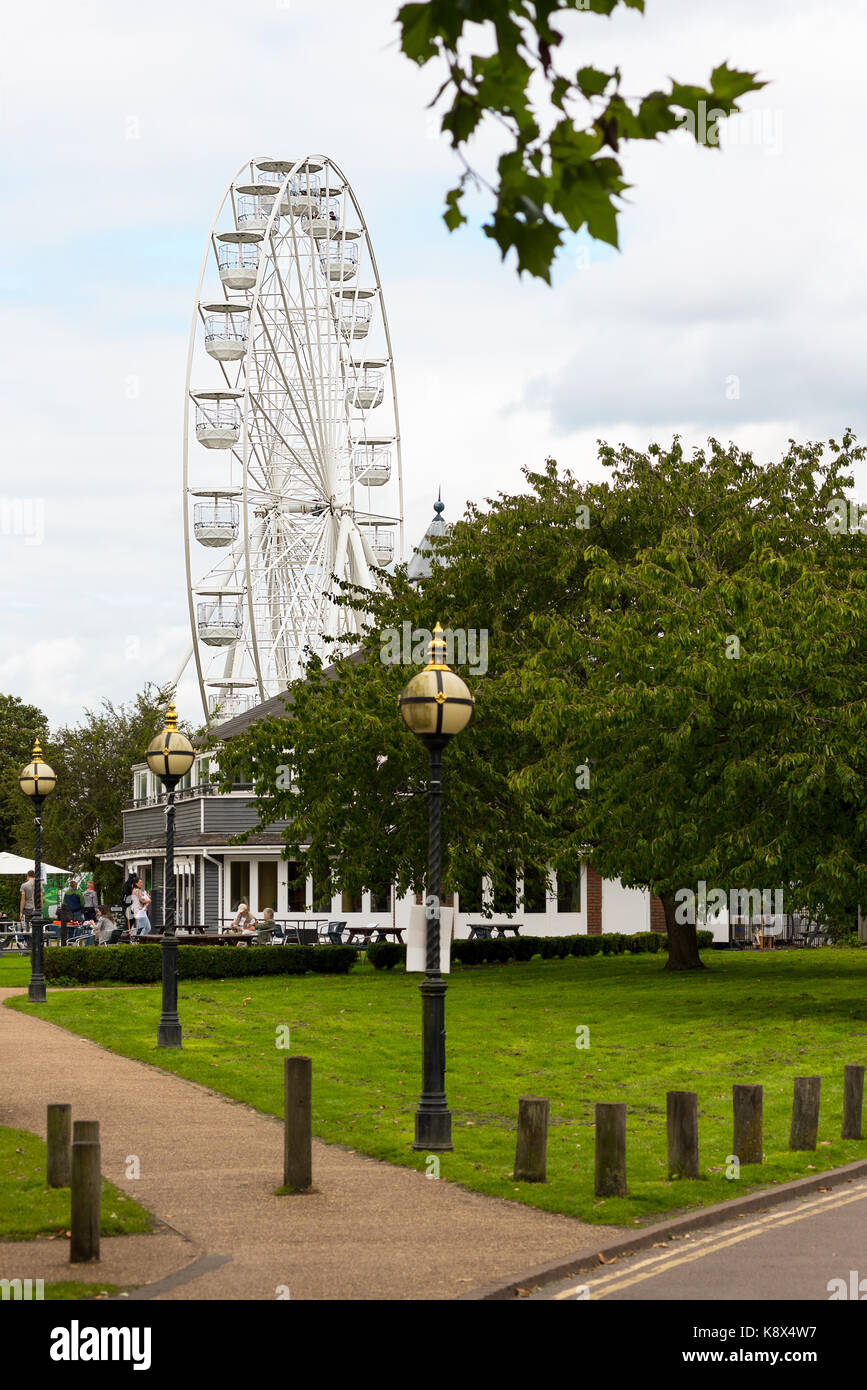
169,1033
433,1131
36,992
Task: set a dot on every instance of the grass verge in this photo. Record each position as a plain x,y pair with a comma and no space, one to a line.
512,1031
30,1208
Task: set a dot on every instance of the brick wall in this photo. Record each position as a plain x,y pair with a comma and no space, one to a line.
657,914
594,903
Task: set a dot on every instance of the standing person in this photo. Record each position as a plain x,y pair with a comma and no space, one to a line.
72,901
91,902
140,904
126,901
28,898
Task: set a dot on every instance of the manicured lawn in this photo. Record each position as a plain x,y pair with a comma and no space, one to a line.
28,1207
14,971
511,1032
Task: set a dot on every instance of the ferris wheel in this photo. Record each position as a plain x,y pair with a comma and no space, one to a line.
292,464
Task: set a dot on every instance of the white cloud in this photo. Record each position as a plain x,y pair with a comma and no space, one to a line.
747,263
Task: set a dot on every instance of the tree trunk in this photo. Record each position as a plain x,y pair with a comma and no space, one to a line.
682,941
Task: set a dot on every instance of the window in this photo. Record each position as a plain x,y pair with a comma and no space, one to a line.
471,897
266,885
239,884
534,890
380,898
140,786
185,896
350,902
322,893
504,900
298,887
569,892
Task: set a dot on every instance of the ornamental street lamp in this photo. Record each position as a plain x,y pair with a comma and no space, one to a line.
37,781
170,756
435,705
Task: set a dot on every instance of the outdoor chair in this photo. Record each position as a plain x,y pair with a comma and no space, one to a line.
334,933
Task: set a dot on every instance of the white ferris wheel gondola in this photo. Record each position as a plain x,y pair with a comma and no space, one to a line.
279,508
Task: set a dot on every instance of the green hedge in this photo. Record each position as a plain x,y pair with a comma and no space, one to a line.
143,964
384,955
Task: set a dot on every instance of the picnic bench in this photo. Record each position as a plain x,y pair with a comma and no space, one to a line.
483,931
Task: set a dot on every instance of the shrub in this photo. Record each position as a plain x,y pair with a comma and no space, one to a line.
646,941
584,945
526,947
143,964
385,955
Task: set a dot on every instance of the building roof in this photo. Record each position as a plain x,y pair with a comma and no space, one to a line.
186,843
419,567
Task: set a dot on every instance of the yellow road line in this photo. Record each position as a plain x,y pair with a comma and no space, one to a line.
707,1245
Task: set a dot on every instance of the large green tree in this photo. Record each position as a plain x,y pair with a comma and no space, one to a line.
714,687
610,610
562,128
92,760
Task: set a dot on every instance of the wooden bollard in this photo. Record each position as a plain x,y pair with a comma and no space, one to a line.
532,1143
86,1192
297,1123
58,1131
748,1140
610,1149
853,1100
681,1115
805,1113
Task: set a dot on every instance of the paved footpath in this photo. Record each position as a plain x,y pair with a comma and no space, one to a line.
209,1167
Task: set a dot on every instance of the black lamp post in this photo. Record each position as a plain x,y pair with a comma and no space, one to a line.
37,781
170,756
435,705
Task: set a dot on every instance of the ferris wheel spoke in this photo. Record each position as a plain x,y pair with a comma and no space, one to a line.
288,387
313,407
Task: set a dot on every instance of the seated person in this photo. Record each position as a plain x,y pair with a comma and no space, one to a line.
268,917
244,921
104,926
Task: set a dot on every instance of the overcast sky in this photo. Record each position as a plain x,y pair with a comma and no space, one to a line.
123,124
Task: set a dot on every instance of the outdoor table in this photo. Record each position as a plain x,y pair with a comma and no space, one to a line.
483,930
396,932
366,934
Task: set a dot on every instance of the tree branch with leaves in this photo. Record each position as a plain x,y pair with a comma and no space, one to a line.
560,171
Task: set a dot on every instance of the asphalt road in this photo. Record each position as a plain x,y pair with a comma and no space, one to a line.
791,1252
